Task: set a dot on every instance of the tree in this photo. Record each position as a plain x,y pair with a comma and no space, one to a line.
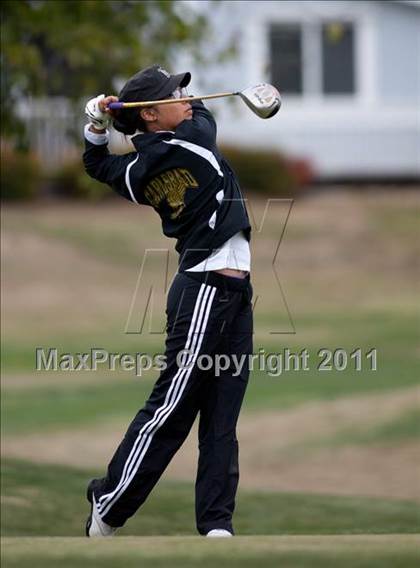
78,48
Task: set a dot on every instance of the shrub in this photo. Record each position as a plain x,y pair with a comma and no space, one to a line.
268,171
70,180
21,174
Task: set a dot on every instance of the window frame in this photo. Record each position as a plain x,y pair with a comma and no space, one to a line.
312,62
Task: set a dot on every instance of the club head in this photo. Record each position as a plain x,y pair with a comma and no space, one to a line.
263,99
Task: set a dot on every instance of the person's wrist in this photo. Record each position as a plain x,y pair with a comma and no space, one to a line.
97,130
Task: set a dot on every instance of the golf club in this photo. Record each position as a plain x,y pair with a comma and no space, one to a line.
263,99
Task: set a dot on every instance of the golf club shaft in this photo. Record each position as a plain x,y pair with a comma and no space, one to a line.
168,101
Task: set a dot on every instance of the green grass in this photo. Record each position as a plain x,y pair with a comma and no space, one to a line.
54,408
404,427
394,334
396,551
45,500
69,403
73,404
19,356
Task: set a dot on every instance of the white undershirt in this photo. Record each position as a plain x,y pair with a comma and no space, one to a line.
234,253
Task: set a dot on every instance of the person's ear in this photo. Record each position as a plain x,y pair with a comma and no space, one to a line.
148,114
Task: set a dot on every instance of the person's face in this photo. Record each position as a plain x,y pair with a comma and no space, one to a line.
168,117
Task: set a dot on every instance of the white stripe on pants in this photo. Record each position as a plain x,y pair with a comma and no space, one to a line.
193,344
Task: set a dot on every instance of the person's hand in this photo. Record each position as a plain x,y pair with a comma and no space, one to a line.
98,113
103,103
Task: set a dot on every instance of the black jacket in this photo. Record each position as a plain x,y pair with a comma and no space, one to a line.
183,176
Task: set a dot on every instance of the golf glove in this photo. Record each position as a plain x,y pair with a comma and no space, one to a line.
99,119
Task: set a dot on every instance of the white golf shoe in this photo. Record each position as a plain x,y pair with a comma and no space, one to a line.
219,533
95,527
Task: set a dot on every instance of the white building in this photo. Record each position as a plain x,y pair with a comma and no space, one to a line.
348,72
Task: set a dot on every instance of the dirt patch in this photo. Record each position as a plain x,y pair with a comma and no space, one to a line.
338,252
375,471
272,457
48,284
15,501
88,447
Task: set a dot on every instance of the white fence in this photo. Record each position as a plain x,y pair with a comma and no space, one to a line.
54,129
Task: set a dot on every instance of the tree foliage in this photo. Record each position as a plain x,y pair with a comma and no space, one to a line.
77,48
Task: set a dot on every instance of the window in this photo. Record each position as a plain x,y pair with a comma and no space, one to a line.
313,58
337,58
286,57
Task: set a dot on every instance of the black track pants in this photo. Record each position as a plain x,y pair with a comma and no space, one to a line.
208,314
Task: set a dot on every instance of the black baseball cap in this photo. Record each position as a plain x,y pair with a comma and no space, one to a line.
152,84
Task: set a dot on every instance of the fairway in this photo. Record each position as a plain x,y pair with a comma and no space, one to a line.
390,551
329,461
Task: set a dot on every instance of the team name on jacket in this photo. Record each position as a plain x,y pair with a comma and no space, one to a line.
170,185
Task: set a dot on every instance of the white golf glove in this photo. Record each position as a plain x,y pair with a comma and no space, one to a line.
99,119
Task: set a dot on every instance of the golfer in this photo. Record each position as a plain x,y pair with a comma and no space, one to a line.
177,169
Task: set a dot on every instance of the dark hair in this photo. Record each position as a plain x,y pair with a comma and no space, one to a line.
128,121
